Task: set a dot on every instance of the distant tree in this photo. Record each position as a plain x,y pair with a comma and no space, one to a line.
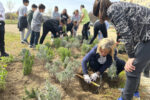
10,6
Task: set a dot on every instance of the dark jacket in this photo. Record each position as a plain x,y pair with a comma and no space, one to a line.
52,24
132,21
22,24
92,58
30,16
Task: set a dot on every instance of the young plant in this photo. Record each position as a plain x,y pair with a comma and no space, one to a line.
85,48
28,61
7,60
48,44
45,53
63,43
112,71
57,43
3,74
54,68
66,61
64,52
66,76
76,44
50,92
29,94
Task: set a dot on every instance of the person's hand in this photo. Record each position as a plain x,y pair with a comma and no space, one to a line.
94,76
87,78
129,65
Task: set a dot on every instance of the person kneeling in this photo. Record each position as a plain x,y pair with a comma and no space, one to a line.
100,58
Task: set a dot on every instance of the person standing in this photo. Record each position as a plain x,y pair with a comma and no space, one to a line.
36,25
98,30
29,19
85,20
56,14
65,15
22,23
2,31
132,22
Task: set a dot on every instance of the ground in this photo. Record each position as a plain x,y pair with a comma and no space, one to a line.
16,81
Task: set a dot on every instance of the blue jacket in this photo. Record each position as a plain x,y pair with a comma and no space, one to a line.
92,58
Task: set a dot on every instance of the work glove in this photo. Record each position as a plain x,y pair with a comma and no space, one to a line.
87,78
94,76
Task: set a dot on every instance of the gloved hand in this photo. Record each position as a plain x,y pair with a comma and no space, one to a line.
87,78
94,76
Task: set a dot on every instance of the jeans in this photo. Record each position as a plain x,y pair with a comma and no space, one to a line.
34,38
142,57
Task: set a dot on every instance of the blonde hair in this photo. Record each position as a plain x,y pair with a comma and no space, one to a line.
106,43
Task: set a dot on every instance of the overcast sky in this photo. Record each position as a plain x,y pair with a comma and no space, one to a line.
70,5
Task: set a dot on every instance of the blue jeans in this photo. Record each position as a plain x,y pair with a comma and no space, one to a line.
34,38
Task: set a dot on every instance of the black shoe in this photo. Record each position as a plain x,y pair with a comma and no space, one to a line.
146,74
4,54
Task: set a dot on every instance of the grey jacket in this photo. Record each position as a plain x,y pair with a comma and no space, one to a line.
36,21
132,21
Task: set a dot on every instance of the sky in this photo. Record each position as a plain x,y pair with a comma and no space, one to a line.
70,5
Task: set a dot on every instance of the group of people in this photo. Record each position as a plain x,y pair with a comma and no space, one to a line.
59,24
131,22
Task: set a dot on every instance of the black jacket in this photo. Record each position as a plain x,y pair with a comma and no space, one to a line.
22,24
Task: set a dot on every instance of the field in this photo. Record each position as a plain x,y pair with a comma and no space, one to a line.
16,81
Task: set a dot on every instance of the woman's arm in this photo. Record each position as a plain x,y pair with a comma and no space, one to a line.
86,60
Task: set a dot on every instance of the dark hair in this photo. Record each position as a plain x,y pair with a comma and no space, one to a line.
34,6
56,7
41,6
63,21
25,1
100,8
82,6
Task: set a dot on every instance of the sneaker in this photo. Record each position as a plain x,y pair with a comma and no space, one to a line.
22,42
25,41
137,94
4,54
120,98
30,46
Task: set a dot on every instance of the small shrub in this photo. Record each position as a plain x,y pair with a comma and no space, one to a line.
68,45
63,43
57,43
7,60
66,76
48,44
79,37
45,53
54,68
85,48
66,61
28,61
76,44
112,71
64,52
29,94
50,92
3,74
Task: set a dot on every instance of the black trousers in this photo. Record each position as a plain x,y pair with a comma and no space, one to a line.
2,37
85,31
45,32
99,27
